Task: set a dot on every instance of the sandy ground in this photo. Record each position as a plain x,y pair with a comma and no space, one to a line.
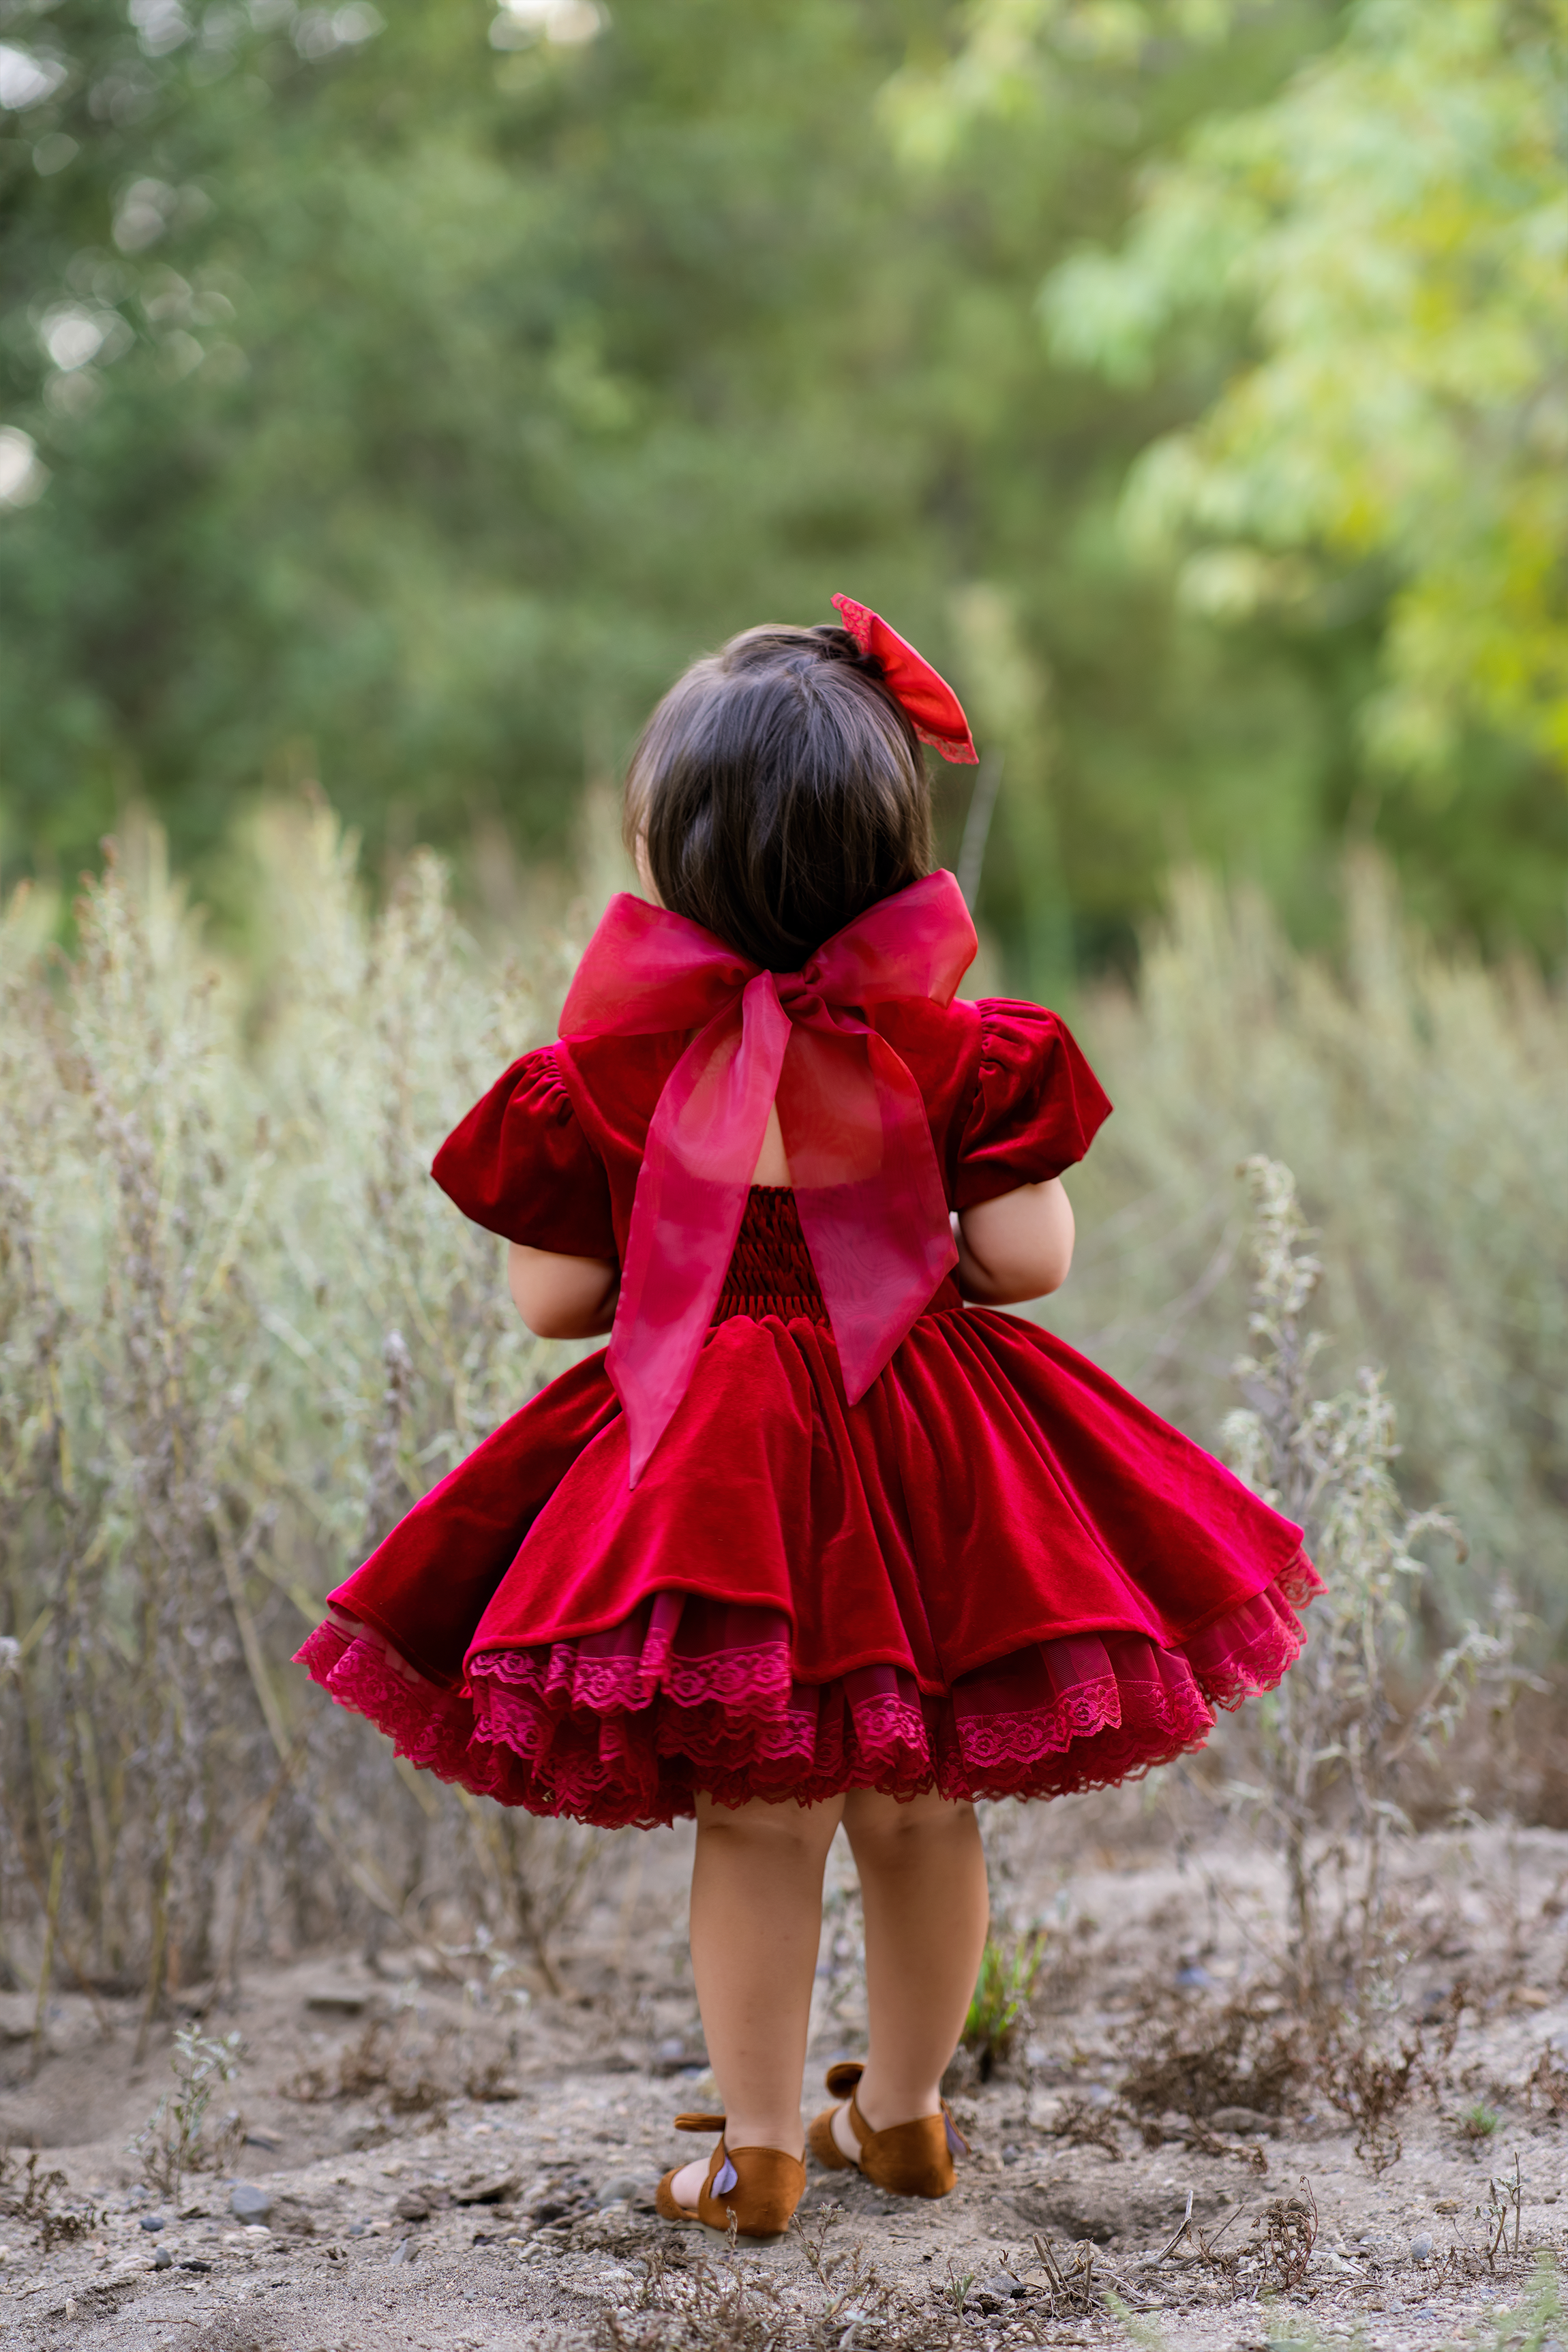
452,2157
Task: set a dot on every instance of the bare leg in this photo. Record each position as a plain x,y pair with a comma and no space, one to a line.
756,1923
923,1892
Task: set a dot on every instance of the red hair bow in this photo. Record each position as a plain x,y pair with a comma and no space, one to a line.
927,700
867,1182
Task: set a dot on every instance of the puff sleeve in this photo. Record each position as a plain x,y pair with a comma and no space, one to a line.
1036,1104
520,1165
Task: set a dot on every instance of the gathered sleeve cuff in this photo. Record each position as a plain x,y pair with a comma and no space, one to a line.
1036,1105
520,1166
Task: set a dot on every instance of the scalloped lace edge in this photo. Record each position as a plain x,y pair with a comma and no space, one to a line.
617,1740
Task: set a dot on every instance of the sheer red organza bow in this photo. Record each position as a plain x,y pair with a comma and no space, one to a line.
864,1168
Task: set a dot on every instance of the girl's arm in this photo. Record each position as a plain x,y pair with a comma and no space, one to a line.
561,1297
1018,1247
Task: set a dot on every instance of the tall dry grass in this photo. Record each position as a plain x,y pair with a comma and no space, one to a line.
1421,1099
240,1331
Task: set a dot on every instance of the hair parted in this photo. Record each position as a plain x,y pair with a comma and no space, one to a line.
779,791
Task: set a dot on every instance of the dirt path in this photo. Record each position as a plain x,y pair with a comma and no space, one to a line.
450,2158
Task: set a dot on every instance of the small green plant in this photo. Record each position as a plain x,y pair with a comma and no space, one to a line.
175,2139
1296,2335
1535,2322
1479,2121
1002,1990
954,2289
1504,2214
1144,2331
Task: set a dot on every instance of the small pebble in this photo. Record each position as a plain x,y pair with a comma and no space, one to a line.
248,2203
151,2220
1421,2248
620,2190
163,2259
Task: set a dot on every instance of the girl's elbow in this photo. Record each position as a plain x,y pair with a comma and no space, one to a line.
560,1297
1057,1271
1040,1280
547,1321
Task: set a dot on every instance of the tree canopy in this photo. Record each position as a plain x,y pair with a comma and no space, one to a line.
1392,229
401,397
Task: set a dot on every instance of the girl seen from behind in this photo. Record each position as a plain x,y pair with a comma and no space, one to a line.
824,1537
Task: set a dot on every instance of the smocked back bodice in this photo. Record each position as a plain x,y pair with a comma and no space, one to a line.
770,1270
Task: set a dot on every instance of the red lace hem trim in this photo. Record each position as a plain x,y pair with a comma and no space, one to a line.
624,1726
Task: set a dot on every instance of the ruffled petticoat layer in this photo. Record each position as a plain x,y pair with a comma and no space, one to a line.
625,1726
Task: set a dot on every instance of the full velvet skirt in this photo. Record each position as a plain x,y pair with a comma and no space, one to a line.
996,1574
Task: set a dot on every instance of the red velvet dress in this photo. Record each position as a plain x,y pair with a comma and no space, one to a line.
996,1574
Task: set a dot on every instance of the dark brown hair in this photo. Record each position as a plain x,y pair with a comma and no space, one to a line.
779,792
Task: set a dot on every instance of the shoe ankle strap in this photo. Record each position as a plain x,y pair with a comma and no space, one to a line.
700,2123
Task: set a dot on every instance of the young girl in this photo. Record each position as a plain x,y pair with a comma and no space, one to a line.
823,1538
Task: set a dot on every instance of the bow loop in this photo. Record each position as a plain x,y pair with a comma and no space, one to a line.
921,693
868,1188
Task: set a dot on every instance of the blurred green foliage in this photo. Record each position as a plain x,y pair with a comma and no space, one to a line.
1393,227
1396,226
402,397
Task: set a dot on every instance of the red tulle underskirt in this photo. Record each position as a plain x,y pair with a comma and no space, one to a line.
690,1694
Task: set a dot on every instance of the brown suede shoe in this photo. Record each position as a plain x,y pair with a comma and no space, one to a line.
759,2187
914,2159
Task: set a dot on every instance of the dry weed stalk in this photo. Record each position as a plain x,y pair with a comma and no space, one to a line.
695,2309
1200,2059
700,2306
40,2198
1331,1742
1289,2232
408,2071
1369,2086
1418,1094
240,1330
1072,2289
1546,2085
853,2293
1085,2126
1505,2211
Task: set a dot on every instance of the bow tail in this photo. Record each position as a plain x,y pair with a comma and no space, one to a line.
868,1188
702,1145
